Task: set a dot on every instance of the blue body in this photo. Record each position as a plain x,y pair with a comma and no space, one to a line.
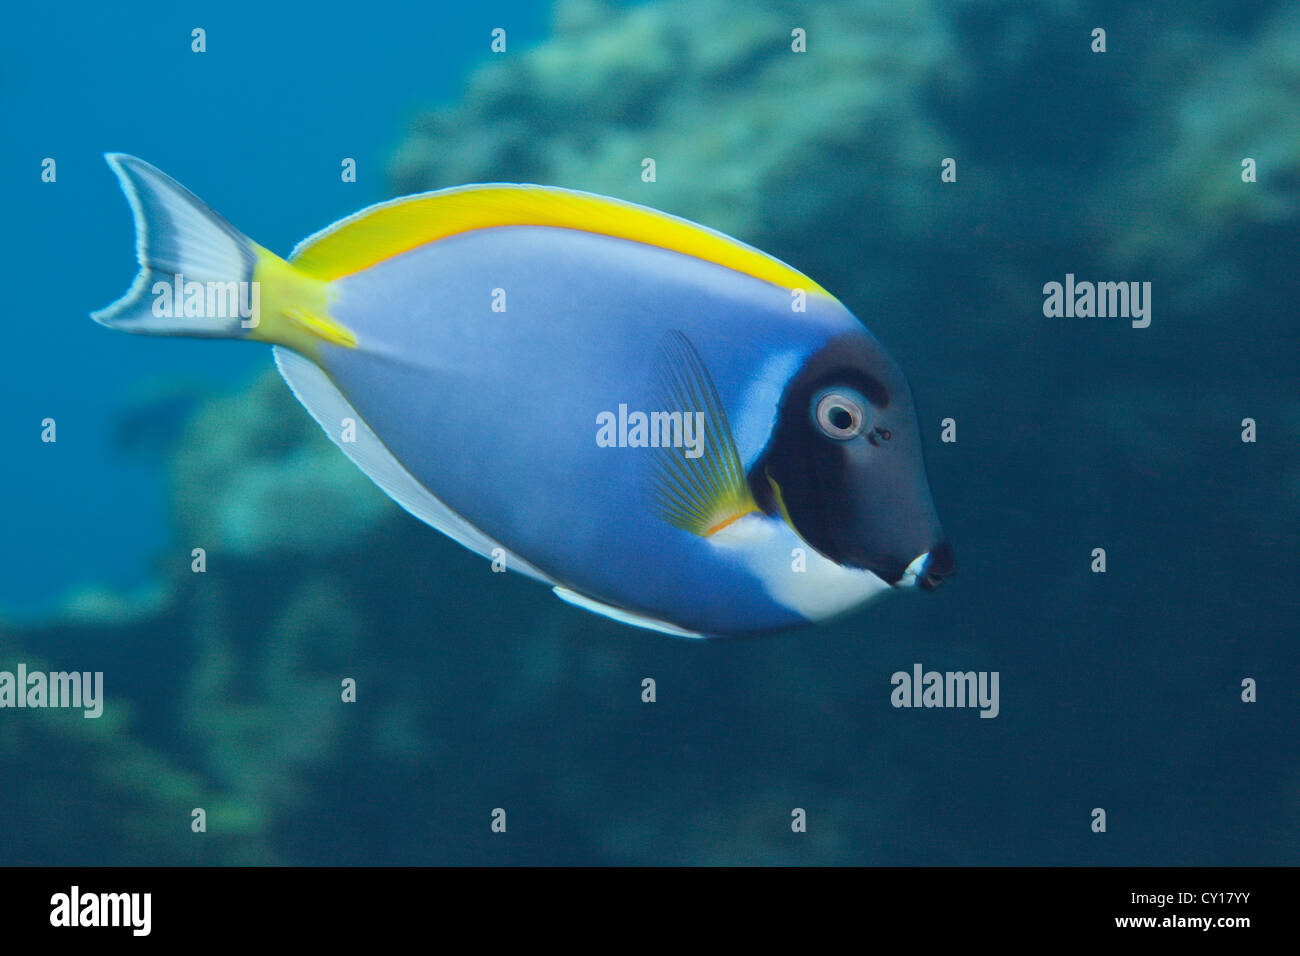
496,412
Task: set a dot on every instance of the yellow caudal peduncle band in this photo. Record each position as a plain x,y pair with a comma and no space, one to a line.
293,307
389,229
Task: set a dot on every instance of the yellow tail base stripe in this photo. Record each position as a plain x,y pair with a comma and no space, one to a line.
294,308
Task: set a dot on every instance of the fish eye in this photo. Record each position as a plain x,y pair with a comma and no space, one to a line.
841,413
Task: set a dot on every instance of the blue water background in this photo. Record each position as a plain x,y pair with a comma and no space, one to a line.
257,126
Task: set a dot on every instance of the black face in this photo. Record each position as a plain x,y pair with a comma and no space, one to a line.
845,460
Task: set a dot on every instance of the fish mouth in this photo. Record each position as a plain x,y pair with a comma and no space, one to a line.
927,571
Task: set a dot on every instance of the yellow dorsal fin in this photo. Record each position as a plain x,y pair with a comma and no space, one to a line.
388,229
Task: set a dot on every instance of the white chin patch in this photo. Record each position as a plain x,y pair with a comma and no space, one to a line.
794,574
914,571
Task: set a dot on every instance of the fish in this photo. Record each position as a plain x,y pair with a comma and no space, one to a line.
664,425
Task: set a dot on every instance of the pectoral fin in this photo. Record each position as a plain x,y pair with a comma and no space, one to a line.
699,487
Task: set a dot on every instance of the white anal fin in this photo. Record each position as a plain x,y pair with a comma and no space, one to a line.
317,393
630,618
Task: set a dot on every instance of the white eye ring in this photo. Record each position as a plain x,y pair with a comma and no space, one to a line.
841,413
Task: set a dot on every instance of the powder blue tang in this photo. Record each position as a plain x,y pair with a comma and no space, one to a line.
478,342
